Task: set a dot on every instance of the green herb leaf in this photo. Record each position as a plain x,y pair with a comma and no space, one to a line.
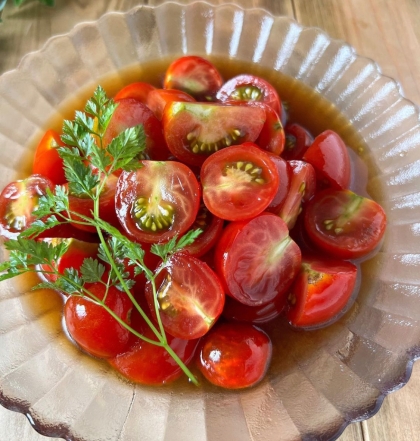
91,270
174,245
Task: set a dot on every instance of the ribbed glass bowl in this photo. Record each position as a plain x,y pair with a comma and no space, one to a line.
320,381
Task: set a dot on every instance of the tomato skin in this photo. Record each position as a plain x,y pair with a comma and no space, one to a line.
260,90
194,131
272,137
164,195
257,260
18,200
329,156
284,171
139,91
321,291
243,355
190,297
195,76
92,327
145,363
298,140
47,161
159,98
239,182
344,224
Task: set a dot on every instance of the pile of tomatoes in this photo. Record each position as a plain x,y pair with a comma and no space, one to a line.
282,231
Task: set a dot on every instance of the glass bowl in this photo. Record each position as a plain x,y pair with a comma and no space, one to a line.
319,381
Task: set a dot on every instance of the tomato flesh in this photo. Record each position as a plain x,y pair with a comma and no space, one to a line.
159,98
298,140
139,91
235,355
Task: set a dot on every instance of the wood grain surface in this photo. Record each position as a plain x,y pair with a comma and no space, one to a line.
384,30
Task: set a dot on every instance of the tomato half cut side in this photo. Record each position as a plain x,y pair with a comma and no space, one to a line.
329,156
297,141
239,182
194,75
189,297
243,355
194,131
344,224
157,201
250,88
92,327
159,98
18,200
139,91
321,292
257,260
47,161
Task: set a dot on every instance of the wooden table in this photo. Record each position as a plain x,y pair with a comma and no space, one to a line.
385,30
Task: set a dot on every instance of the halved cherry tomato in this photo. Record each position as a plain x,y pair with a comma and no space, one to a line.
321,291
93,328
285,173
235,355
344,224
158,201
159,98
257,260
130,113
329,156
146,363
18,200
194,75
77,251
272,137
298,140
193,131
139,91
211,227
250,88
239,182
47,161
189,296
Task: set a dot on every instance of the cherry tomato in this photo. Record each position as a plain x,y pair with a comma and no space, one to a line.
193,131
284,171
92,327
344,224
139,91
211,227
146,363
47,161
130,113
329,156
159,98
298,140
158,201
77,251
194,75
250,88
321,291
239,182
189,296
272,137
257,260
235,355
18,200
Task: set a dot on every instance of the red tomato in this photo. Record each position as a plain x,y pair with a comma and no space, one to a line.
272,137
189,296
194,75
321,291
47,161
146,363
158,201
250,88
211,227
344,224
130,113
329,156
284,171
159,98
77,251
257,260
235,355
18,200
92,327
139,91
298,140
239,182
193,131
